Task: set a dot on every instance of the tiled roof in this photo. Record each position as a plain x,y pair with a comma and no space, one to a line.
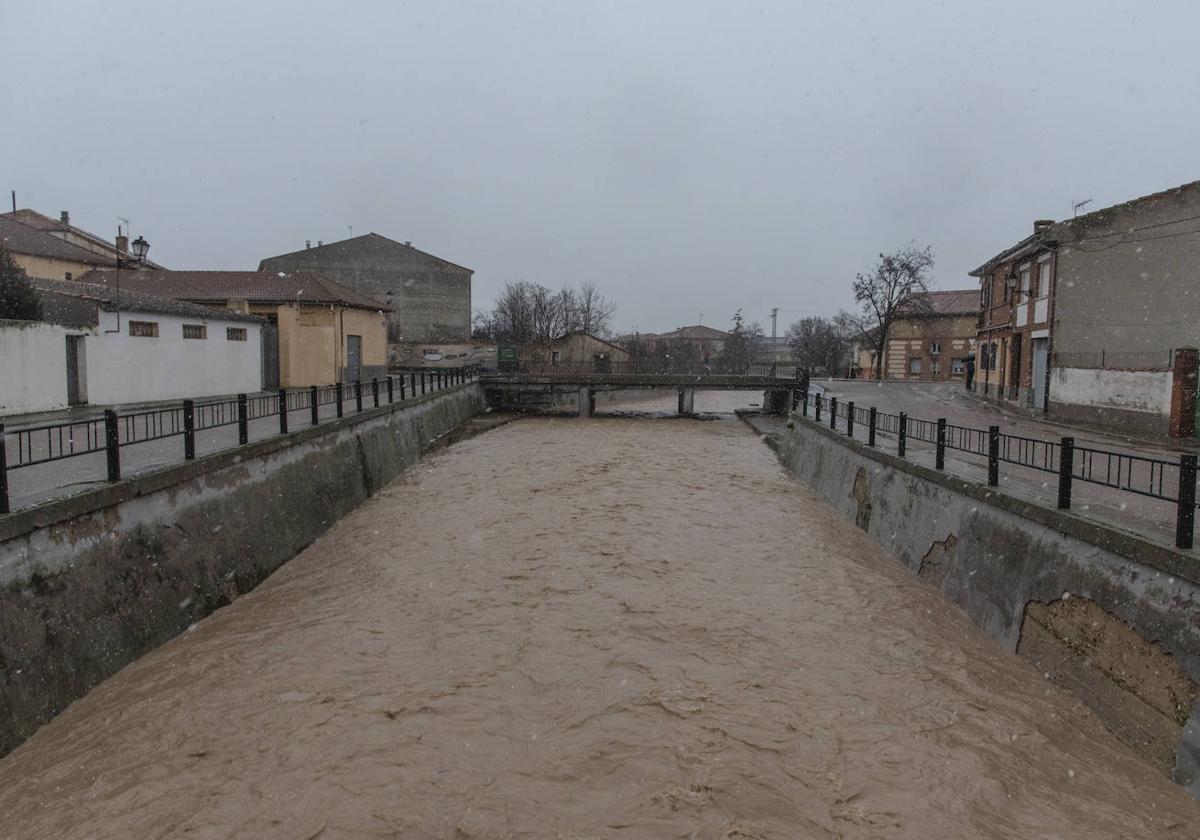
23,239
132,300
698,331
223,286
950,302
34,219
367,242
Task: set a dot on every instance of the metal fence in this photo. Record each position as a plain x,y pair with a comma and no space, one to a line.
646,366
1168,480
113,431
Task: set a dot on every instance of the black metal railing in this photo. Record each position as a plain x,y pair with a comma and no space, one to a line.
1167,480
37,445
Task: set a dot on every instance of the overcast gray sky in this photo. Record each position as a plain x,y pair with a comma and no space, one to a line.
690,157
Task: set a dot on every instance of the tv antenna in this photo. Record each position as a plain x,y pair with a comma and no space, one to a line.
1076,206
126,221
351,229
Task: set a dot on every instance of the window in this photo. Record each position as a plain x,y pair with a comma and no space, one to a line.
235,333
67,275
1025,279
145,329
958,366
935,368
986,293
1044,279
914,366
935,348
195,331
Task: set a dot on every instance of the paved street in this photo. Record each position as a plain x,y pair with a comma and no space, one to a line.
929,401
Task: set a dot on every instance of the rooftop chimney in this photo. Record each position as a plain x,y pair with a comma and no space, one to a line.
1040,225
122,243
408,242
319,243
65,217
307,244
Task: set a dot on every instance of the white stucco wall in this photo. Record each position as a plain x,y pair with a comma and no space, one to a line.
1147,391
124,369
33,366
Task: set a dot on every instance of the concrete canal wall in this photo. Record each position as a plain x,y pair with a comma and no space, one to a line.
1111,617
89,583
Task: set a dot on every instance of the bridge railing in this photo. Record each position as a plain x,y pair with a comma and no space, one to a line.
31,447
1167,479
643,366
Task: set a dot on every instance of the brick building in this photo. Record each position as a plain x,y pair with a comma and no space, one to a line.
929,341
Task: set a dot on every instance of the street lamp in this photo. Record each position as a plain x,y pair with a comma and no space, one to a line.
140,247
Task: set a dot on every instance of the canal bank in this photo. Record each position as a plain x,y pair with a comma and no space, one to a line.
91,582
1104,613
590,628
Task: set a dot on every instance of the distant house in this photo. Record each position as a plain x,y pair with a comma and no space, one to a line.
1094,318
94,345
929,341
706,340
323,331
62,229
39,254
577,352
428,298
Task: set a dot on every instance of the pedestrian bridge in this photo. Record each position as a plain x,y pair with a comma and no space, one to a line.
517,390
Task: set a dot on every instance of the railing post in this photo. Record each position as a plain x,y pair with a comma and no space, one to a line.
4,508
314,400
358,395
940,456
1066,469
283,411
243,420
804,403
871,420
340,394
993,456
850,419
422,383
402,397
375,390
833,412
391,395
902,434
817,409
189,430
1185,516
112,445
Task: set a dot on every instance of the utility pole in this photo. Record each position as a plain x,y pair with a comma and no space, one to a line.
774,318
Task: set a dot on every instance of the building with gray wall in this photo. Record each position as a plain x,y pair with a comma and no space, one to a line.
430,297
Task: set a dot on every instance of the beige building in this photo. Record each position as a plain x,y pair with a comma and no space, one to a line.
929,343
577,352
39,254
318,333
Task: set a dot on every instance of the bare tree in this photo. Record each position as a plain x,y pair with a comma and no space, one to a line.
529,313
819,344
898,284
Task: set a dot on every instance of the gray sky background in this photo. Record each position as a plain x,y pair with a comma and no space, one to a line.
690,157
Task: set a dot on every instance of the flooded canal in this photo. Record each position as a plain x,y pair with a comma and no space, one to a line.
586,629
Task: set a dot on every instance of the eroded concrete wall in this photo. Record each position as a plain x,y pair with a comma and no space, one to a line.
89,583
994,556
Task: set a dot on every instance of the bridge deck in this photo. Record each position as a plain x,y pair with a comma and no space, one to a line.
623,381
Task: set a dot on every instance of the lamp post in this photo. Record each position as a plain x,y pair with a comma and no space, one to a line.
140,247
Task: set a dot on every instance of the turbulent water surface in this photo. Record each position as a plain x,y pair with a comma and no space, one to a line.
602,628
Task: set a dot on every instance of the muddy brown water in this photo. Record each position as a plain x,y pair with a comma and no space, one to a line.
587,629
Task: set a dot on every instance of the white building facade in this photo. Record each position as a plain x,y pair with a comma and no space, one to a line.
122,350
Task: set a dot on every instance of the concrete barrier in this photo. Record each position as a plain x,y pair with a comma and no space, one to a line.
91,582
1103,613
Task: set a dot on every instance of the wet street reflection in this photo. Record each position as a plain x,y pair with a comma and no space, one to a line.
587,628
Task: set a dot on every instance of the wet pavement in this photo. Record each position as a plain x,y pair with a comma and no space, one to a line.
587,629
